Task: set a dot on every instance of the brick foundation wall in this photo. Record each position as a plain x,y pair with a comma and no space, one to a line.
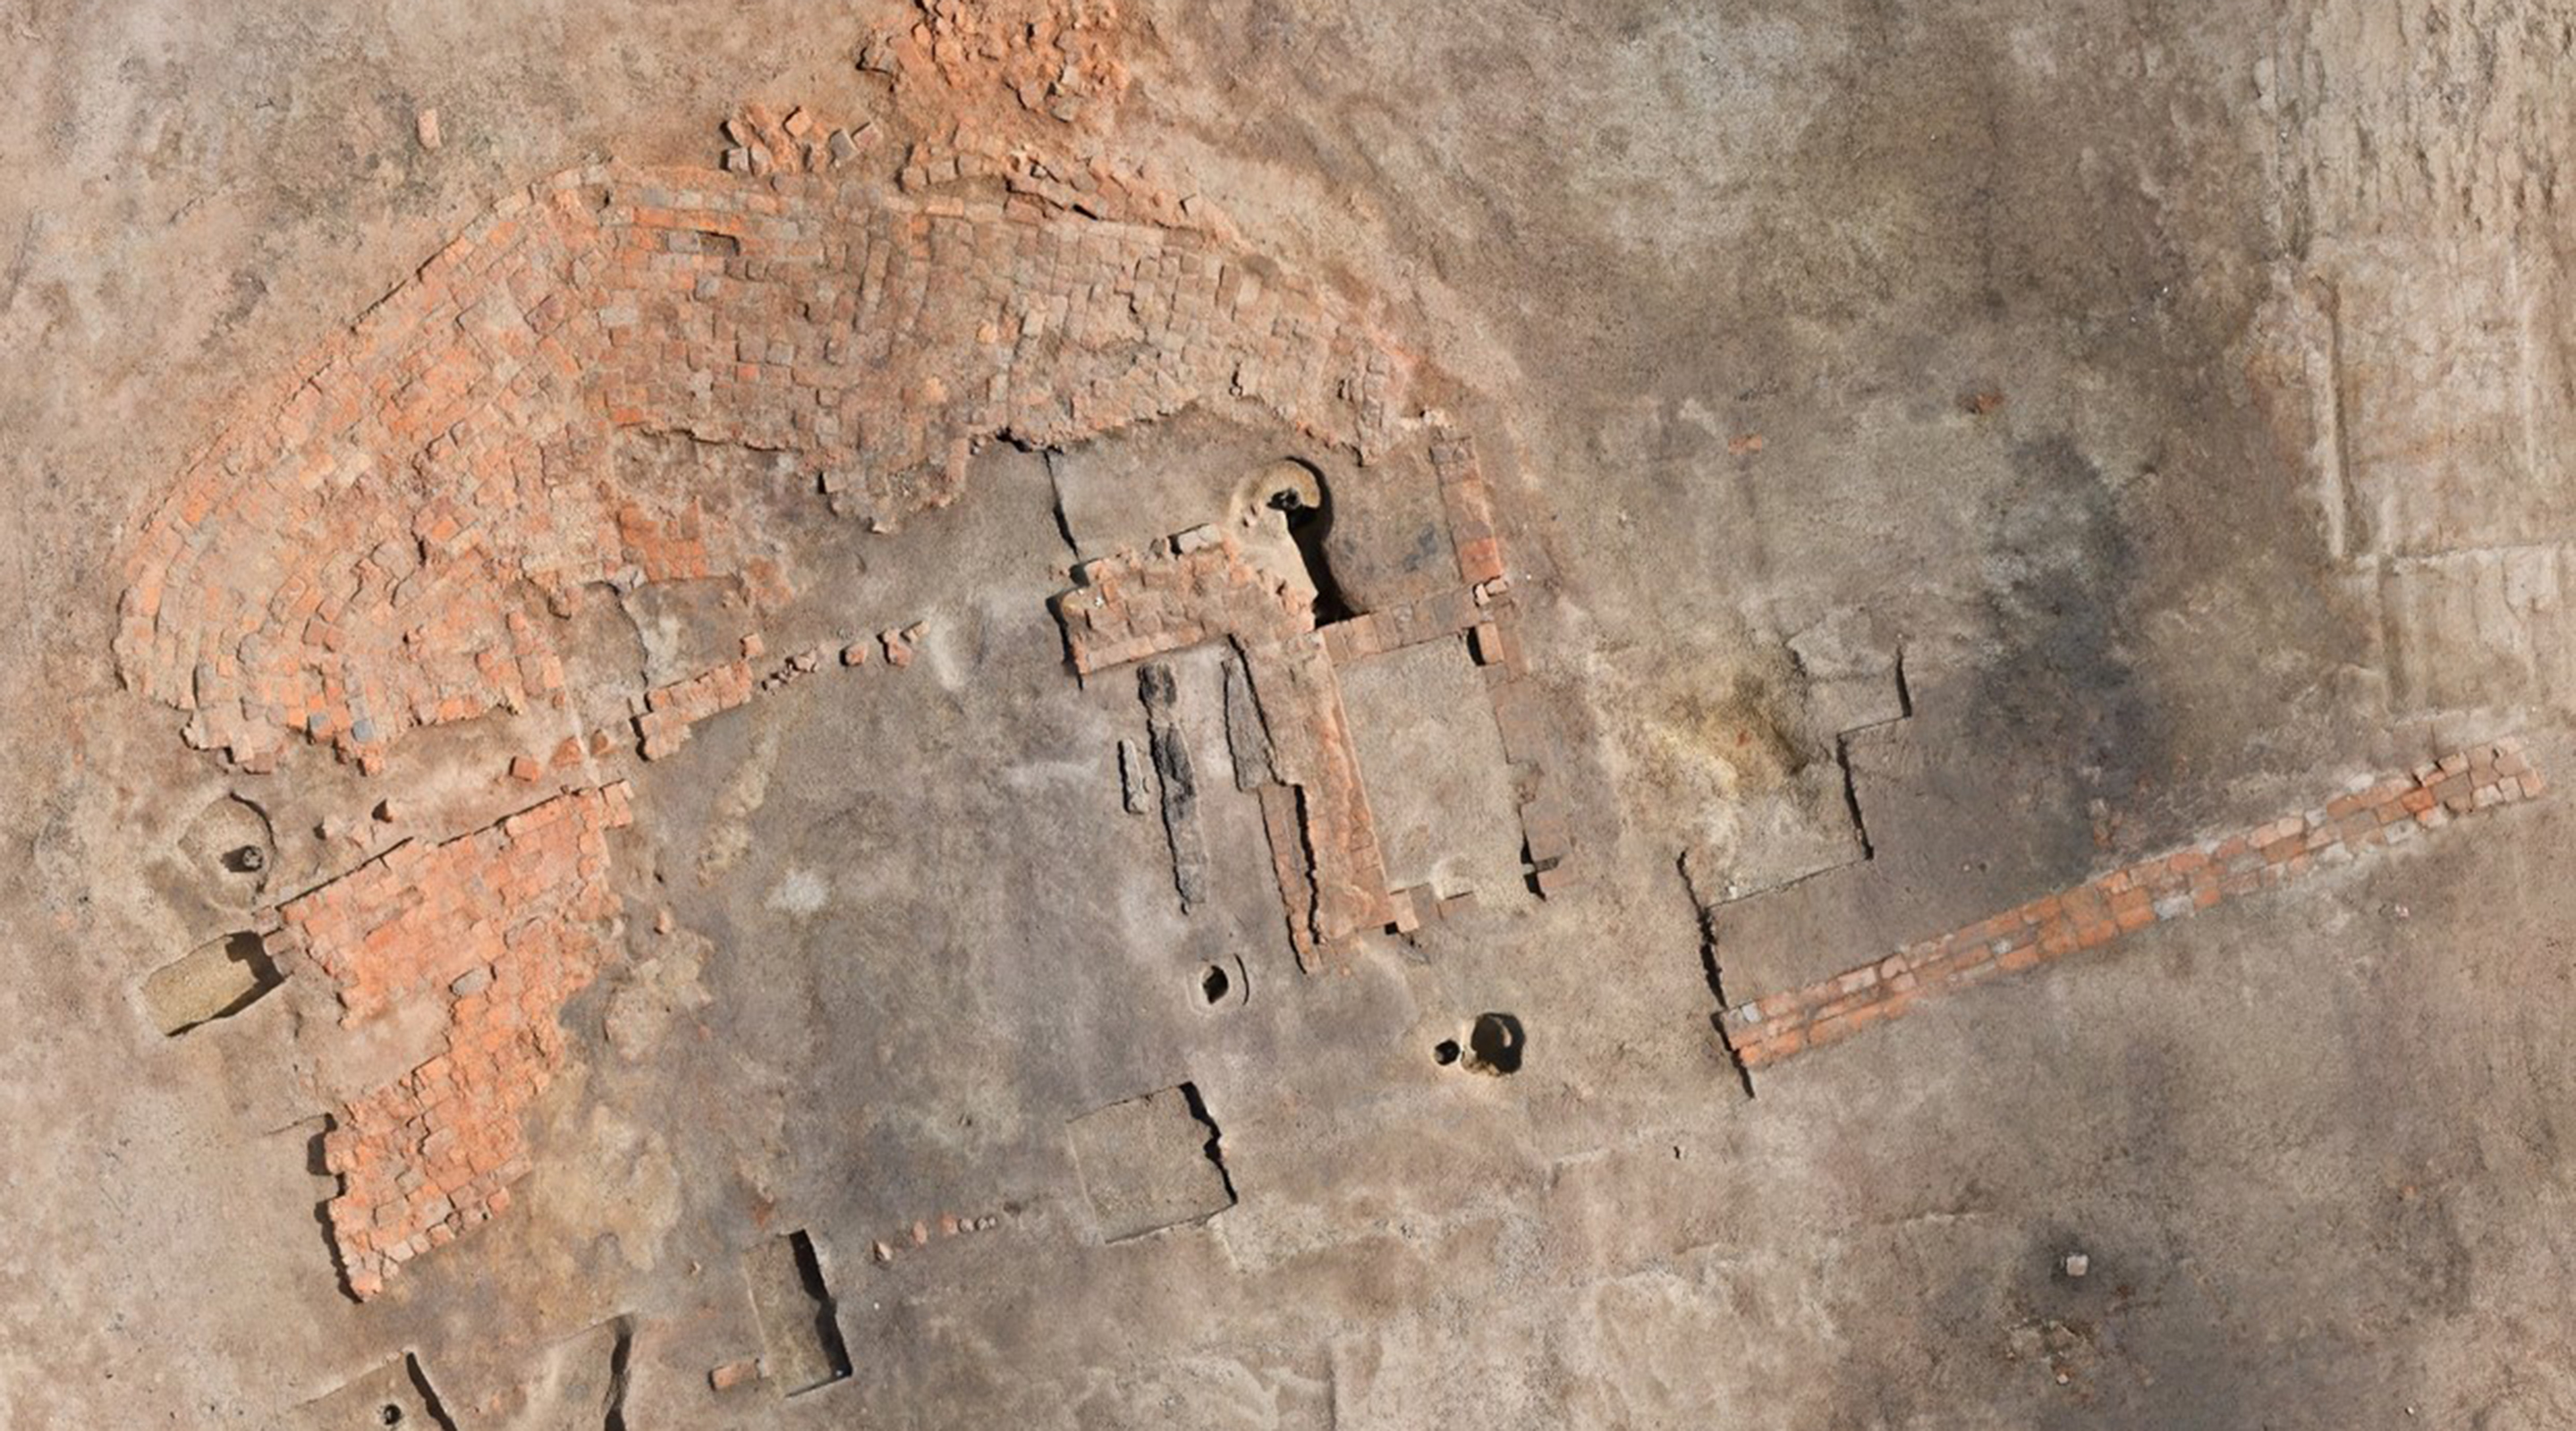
1202,585
2387,811
1332,877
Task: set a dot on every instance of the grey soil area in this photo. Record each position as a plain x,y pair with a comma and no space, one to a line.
1134,714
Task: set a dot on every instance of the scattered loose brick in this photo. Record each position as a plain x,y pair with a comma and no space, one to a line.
500,927
2175,885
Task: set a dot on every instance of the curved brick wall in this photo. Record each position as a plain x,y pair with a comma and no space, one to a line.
376,552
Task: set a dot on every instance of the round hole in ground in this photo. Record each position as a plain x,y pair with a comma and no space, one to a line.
1215,983
1494,1044
230,846
391,1415
1445,1052
1297,493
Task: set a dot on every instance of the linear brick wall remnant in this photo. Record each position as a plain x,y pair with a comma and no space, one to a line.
1532,741
1454,611
1332,877
500,926
670,710
2175,885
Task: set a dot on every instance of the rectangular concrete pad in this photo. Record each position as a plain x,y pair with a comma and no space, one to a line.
800,1332
1149,1163
1432,759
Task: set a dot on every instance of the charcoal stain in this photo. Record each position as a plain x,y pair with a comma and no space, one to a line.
2060,694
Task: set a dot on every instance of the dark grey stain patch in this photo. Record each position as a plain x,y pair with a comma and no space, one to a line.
1173,771
2061,693
1247,737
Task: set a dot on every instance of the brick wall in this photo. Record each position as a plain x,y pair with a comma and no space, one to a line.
2387,811
1179,592
499,927
357,558
1202,586
1533,740
1332,878
669,711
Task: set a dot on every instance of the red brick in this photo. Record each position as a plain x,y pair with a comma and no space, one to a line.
2097,912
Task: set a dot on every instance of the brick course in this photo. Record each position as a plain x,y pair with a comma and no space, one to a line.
2386,811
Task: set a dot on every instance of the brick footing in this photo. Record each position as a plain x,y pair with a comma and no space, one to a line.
2175,885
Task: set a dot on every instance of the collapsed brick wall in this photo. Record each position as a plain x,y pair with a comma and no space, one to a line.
2387,811
394,541
365,556
1057,60
499,927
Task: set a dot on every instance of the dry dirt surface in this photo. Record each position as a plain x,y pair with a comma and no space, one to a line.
1123,714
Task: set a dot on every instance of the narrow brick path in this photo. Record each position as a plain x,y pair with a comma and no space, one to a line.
2174,885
